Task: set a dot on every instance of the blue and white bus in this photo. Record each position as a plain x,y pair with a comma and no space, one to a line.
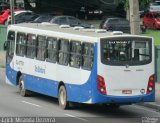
80,65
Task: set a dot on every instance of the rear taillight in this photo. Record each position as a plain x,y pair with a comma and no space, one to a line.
151,83
101,85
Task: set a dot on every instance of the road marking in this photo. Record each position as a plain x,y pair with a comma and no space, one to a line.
69,115
143,108
31,104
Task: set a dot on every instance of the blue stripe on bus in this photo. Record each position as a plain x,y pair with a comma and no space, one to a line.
11,74
99,98
76,93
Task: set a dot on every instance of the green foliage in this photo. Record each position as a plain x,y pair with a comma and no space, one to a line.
154,34
142,3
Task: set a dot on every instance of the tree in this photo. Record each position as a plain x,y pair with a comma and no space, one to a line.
134,17
142,3
132,12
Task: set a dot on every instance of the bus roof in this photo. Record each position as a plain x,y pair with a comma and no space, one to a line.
46,27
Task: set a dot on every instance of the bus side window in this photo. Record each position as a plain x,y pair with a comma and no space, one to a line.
87,56
31,46
52,47
10,46
63,52
20,44
41,47
75,54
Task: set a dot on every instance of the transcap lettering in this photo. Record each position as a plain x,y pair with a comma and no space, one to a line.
39,69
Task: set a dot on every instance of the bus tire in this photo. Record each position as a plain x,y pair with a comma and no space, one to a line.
62,98
22,90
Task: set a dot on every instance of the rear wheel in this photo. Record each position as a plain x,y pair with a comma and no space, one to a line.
62,98
22,90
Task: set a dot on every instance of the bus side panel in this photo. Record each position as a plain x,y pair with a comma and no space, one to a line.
76,93
10,75
84,93
41,85
32,83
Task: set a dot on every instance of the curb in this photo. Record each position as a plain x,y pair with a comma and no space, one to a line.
151,105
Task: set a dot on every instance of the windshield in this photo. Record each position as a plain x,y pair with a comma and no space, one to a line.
131,51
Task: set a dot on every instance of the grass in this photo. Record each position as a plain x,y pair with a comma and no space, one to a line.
155,34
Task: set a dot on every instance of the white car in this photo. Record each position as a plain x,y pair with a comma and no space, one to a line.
19,13
155,6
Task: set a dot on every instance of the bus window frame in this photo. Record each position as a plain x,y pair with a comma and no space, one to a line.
130,63
68,52
57,53
37,47
83,67
19,44
73,53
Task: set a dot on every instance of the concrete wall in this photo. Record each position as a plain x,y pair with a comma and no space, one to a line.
3,31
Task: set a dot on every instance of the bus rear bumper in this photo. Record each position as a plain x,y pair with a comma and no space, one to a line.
124,99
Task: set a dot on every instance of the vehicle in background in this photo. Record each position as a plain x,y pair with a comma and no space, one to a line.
115,24
118,24
152,20
89,13
4,16
43,18
155,6
70,20
23,16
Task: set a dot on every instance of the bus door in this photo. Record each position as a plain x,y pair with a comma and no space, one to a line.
10,47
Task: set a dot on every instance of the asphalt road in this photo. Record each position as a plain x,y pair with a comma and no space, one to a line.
13,105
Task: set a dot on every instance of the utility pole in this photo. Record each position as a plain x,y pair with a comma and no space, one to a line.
134,16
12,11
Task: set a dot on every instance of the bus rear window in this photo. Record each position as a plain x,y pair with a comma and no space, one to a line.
131,51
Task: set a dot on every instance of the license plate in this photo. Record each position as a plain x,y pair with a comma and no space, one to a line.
126,91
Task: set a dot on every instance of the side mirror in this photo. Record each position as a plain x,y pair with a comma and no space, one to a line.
5,46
